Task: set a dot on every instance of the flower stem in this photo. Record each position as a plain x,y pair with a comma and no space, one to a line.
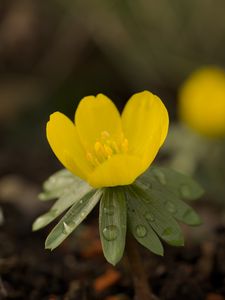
141,286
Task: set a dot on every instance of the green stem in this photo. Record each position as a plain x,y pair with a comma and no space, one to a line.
141,286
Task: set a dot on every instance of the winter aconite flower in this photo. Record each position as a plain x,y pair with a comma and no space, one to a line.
202,102
107,157
105,148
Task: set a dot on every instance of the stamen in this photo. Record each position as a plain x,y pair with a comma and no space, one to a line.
92,160
105,134
125,145
106,147
108,150
98,147
115,147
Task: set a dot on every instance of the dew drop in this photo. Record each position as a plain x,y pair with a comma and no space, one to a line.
110,232
66,228
82,214
109,210
171,207
160,176
185,191
146,185
168,231
141,231
81,201
149,217
147,199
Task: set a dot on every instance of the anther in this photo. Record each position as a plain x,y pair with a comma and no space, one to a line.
105,134
108,150
125,145
105,147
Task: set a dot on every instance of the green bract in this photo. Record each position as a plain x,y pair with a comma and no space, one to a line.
149,208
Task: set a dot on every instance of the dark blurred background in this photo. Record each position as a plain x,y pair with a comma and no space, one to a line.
52,53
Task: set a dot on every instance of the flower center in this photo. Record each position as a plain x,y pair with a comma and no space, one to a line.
105,147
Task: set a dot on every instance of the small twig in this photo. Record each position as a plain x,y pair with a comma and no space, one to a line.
142,288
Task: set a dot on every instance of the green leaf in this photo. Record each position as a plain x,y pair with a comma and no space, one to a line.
75,215
160,219
59,184
176,207
71,196
139,223
113,223
183,186
166,185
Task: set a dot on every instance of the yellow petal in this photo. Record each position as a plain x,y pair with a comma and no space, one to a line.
201,102
120,169
95,115
145,124
64,141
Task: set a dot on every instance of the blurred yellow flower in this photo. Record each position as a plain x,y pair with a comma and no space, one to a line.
202,102
105,148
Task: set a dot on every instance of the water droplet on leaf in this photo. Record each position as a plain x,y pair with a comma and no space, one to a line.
110,232
171,207
185,191
167,231
147,197
141,231
109,210
160,176
190,217
146,185
66,228
149,217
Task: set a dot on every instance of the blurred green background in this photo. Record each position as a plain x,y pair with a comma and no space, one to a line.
52,53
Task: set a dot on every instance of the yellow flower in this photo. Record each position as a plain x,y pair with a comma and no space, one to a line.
202,102
105,148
